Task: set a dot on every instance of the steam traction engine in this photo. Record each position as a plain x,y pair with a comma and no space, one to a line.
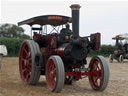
61,55
121,50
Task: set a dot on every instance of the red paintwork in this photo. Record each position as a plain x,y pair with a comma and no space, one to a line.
96,79
75,66
25,62
79,75
51,42
97,40
51,74
36,36
60,51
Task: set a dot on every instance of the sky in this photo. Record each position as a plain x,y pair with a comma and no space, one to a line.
110,18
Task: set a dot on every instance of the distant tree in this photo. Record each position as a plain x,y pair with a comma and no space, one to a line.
25,36
10,30
107,49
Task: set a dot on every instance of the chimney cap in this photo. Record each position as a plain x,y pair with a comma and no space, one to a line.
75,6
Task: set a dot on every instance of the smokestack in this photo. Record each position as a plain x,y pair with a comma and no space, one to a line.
75,19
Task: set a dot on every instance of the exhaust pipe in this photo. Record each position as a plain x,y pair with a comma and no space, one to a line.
75,20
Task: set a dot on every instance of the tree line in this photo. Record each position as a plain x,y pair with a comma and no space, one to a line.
104,50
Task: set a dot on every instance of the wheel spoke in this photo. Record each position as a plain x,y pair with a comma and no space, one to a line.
28,55
24,70
29,67
100,75
25,51
97,65
52,67
27,76
98,68
54,73
23,59
23,63
29,61
96,78
95,81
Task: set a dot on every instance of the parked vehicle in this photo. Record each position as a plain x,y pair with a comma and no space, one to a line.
3,52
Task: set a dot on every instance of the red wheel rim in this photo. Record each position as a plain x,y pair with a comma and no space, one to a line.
25,62
51,74
96,78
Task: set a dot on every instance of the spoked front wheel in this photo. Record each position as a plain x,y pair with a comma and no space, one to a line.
55,73
121,58
100,73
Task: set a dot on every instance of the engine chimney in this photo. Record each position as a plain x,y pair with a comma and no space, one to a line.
75,20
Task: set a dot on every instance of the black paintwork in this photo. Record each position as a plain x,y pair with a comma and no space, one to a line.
75,23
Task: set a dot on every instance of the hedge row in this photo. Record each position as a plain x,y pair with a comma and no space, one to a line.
13,46
105,50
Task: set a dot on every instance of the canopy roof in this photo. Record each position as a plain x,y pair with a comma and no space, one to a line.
54,20
121,37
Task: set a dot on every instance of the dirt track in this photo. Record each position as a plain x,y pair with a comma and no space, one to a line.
11,85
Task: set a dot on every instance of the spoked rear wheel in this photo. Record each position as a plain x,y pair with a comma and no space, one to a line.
100,70
55,74
29,71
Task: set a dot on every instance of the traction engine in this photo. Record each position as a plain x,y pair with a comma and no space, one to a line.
121,49
61,55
